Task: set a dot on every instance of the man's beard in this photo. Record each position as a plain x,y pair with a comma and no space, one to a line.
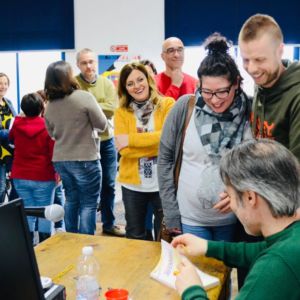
272,78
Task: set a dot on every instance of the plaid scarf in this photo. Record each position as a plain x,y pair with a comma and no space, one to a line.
142,110
220,131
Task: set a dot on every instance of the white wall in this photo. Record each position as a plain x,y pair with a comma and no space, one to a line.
99,24
33,66
32,69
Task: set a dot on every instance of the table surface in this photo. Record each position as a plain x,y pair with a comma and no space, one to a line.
124,263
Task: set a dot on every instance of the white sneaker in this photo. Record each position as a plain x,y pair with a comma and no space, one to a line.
60,229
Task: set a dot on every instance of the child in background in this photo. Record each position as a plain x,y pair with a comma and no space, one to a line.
32,170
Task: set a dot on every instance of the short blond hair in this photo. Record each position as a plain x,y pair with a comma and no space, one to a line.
259,24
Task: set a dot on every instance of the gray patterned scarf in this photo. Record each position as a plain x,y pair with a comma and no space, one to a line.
220,131
142,110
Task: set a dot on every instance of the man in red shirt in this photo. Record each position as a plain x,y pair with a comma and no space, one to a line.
173,82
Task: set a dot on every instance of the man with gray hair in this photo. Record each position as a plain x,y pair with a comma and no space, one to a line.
105,94
262,179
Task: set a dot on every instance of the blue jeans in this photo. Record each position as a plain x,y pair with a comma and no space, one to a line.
82,184
59,198
36,193
2,182
213,233
109,171
136,205
5,168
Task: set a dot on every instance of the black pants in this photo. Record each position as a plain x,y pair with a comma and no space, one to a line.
136,204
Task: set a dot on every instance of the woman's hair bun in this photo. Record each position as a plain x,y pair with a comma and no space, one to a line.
217,44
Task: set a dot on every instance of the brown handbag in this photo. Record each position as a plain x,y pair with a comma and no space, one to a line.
164,233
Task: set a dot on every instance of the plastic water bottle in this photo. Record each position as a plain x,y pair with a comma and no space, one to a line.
87,283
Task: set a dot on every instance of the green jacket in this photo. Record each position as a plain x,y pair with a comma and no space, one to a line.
105,93
276,110
274,266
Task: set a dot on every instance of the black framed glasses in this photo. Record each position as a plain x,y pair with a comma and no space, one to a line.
221,94
172,50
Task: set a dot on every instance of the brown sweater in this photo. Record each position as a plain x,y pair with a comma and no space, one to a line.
70,122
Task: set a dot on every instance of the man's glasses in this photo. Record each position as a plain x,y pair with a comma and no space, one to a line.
87,62
222,94
172,50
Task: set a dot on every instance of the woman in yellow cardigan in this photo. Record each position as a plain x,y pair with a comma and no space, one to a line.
138,125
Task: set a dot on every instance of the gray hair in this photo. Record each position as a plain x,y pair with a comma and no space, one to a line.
84,50
267,168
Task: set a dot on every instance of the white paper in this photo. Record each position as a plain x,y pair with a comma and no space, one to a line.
167,265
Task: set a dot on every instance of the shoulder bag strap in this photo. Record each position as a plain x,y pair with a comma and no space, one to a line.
189,112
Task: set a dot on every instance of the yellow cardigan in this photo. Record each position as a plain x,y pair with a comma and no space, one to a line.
143,144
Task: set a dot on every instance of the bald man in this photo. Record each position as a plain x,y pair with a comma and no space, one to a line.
173,82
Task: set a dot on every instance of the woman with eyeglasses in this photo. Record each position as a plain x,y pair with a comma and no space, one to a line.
138,124
219,120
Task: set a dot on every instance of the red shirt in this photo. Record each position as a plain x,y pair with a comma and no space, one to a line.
33,150
163,83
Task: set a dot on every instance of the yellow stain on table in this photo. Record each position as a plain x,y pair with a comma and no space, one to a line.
61,274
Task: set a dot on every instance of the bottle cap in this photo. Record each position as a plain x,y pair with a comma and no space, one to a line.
88,250
46,282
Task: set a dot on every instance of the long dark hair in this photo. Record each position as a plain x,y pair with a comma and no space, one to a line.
59,80
218,62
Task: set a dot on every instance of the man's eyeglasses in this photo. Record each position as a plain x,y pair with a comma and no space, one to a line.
222,94
87,62
172,50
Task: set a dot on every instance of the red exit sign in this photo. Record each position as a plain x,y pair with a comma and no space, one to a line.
119,48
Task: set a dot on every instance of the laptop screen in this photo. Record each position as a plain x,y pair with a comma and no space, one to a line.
19,275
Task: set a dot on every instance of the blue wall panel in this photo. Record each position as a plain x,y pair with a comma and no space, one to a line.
37,25
194,20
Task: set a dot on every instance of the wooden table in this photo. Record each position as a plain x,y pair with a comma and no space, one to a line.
124,263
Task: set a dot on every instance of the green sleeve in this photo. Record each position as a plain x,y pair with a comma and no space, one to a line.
194,292
109,104
235,254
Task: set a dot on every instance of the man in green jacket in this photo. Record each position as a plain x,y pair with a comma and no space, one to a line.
276,106
105,94
262,179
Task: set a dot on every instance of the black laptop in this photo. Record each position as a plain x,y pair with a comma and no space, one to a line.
19,274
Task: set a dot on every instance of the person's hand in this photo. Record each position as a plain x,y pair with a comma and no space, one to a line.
189,244
223,206
186,276
174,231
176,77
121,141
